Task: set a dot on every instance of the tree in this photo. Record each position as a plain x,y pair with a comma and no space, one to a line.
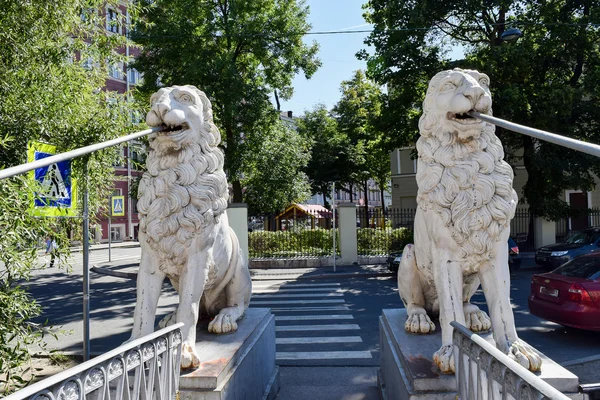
331,157
548,79
356,112
238,52
276,179
47,95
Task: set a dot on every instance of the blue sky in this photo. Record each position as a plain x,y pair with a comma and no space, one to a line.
337,53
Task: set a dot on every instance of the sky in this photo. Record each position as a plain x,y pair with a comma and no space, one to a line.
336,52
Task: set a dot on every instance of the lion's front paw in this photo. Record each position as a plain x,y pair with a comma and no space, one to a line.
223,323
444,359
189,358
419,322
525,355
476,320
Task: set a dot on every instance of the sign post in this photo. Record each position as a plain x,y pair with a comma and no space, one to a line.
333,211
109,228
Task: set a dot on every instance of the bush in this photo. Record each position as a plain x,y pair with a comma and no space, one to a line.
299,242
382,241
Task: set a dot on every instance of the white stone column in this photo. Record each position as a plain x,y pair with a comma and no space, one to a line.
544,231
237,213
348,237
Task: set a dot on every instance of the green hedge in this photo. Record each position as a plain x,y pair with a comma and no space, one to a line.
319,242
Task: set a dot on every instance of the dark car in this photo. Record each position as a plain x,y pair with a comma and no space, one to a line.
393,261
514,259
569,295
555,255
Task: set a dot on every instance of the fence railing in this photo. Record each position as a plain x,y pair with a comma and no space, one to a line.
584,219
381,232
146,368
484,372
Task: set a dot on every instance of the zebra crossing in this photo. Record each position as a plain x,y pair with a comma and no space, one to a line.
313,322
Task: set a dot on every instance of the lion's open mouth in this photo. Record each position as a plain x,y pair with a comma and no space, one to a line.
462,118
173,129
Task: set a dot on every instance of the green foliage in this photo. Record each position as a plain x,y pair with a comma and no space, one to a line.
548,79
357,113
331,151
275,179
292,243
373,241
47,95
19,245
238,53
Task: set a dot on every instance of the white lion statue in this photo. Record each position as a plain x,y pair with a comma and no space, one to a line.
184,230
465,205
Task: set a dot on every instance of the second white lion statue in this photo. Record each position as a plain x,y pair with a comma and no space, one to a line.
465,205
184,231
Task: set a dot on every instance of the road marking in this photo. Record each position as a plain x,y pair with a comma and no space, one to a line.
307,317
318,340
332,308
330,327
322,355
296,301
277,290
279,296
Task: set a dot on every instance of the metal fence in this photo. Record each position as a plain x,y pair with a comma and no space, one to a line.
521,230
484,372
302,237
585,219
146,368
381,232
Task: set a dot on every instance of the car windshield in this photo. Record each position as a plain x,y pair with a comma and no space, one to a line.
582,267
584,237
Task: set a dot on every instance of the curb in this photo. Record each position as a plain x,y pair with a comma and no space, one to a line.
581,360
133,275
117,274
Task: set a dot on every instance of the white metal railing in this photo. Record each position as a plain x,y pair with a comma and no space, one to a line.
484,372
564,141
146,368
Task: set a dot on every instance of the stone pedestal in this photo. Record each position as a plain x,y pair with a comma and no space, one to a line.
408,372
235,366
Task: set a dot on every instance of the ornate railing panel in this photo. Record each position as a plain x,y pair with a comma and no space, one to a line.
146,368
484,372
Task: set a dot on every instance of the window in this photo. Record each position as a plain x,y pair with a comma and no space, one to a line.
112,20
134,76
116,70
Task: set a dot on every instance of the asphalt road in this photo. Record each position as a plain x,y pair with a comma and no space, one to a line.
307,333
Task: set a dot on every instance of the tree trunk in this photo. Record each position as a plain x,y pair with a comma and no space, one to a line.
351,194
237,191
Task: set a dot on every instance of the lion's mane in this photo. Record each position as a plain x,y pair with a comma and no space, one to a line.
183,190
468,184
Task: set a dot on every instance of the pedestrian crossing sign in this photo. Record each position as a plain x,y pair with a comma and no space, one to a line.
58,189
117,206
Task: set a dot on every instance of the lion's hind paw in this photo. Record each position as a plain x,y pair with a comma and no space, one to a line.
419,323
222,323
525,355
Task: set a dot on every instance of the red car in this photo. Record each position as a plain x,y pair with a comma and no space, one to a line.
569,295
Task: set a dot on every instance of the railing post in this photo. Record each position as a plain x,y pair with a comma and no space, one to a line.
348,234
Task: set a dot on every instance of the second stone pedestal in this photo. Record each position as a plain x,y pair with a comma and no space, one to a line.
408,372
235,366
